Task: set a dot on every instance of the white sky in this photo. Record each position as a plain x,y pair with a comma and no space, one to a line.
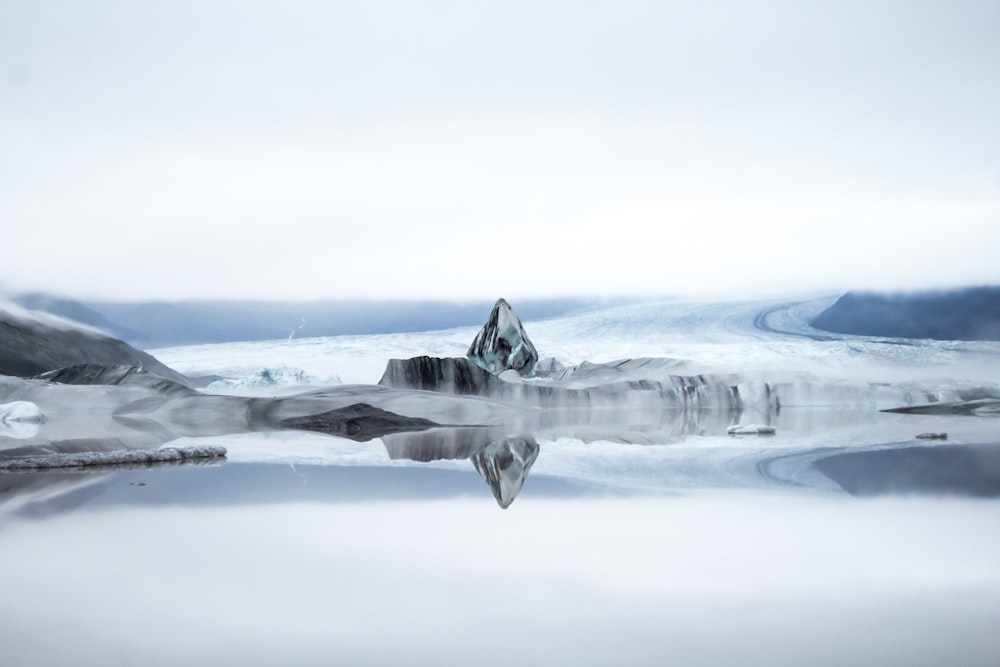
471,150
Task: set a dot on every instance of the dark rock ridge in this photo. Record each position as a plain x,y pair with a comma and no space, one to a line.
114,374
360,422
502,343
29,347
964,314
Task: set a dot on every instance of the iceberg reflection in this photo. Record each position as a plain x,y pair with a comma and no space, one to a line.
504,464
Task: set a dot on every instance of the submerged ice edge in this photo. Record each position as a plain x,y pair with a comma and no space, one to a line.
112,458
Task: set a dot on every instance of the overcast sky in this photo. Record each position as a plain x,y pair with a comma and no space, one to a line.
461,149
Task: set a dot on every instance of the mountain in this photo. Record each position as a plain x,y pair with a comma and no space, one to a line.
963,314
71,310
165,324
31,344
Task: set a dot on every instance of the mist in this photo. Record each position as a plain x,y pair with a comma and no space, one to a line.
466,151
823,580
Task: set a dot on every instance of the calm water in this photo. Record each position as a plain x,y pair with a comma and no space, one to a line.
304,549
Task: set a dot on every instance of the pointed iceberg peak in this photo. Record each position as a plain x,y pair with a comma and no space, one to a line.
502,343
504,464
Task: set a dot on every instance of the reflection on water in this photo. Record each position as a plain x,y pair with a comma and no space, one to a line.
649,450
502,461
504,464
21,488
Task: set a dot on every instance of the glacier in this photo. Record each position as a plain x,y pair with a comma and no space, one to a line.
683,374
284,379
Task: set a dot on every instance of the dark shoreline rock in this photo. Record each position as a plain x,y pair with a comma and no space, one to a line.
121,457
360,422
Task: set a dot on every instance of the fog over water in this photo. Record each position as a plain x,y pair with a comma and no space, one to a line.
707,578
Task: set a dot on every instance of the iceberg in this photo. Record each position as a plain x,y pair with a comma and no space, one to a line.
751,429
502,343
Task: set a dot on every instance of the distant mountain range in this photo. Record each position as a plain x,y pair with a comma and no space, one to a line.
164,324
963,314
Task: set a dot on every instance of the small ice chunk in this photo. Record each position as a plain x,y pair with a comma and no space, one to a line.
20,420
510,375
750,429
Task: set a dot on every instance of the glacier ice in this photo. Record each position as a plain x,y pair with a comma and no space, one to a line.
502,343
269,378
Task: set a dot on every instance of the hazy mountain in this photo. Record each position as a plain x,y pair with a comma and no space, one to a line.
30,345
162,324
964,314
71,310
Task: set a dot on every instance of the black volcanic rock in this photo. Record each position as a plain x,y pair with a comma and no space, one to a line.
965,314
114,374
31,347
502,343
361,422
